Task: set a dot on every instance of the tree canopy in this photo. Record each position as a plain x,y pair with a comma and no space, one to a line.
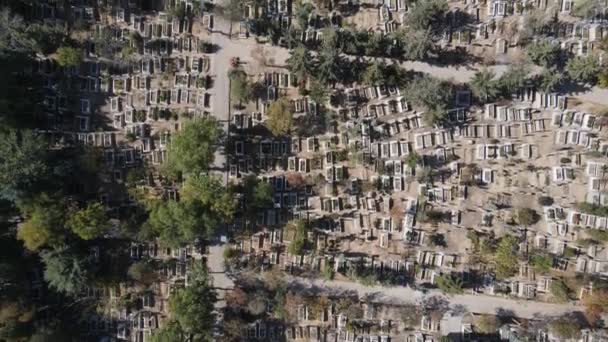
484,86
192,307
192,149
89,222
23,162
65,271
280,117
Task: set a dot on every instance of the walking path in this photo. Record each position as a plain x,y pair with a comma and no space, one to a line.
405,295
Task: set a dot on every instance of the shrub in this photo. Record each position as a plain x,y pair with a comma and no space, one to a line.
559,290
545,201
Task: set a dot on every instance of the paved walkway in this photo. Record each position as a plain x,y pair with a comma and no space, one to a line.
405,295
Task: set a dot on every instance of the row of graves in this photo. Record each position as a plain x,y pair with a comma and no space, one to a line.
327,324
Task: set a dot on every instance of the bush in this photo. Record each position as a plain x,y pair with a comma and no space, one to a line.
449,285
545,201
559,290
583,69
526,216
598,235
565,328
542,263
544,53
592,209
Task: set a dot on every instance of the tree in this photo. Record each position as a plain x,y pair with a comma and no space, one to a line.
506,257
374,73
317,92
428,14
258,195
486,324
583,69
192,148
329,68
483,85
180,223
209,192
300,63
544,53
90,222
550,79
43,225
300,237
433,95
171,331
514,78
192,307
449,284
65,271
142,272
280,117
417,44
23,163
565,328
69,56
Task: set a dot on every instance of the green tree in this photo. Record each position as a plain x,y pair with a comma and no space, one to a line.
544,53
258,195
209,192
329,68
171,331
90,222
65,271
374,73
550,79
583,69
43,224
514,78
484,86
428,14
432,95
303,11
23,163
280,117
192,148
449,284
417,44
192,307
506,257
180,223
300,63
69,56
318,92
